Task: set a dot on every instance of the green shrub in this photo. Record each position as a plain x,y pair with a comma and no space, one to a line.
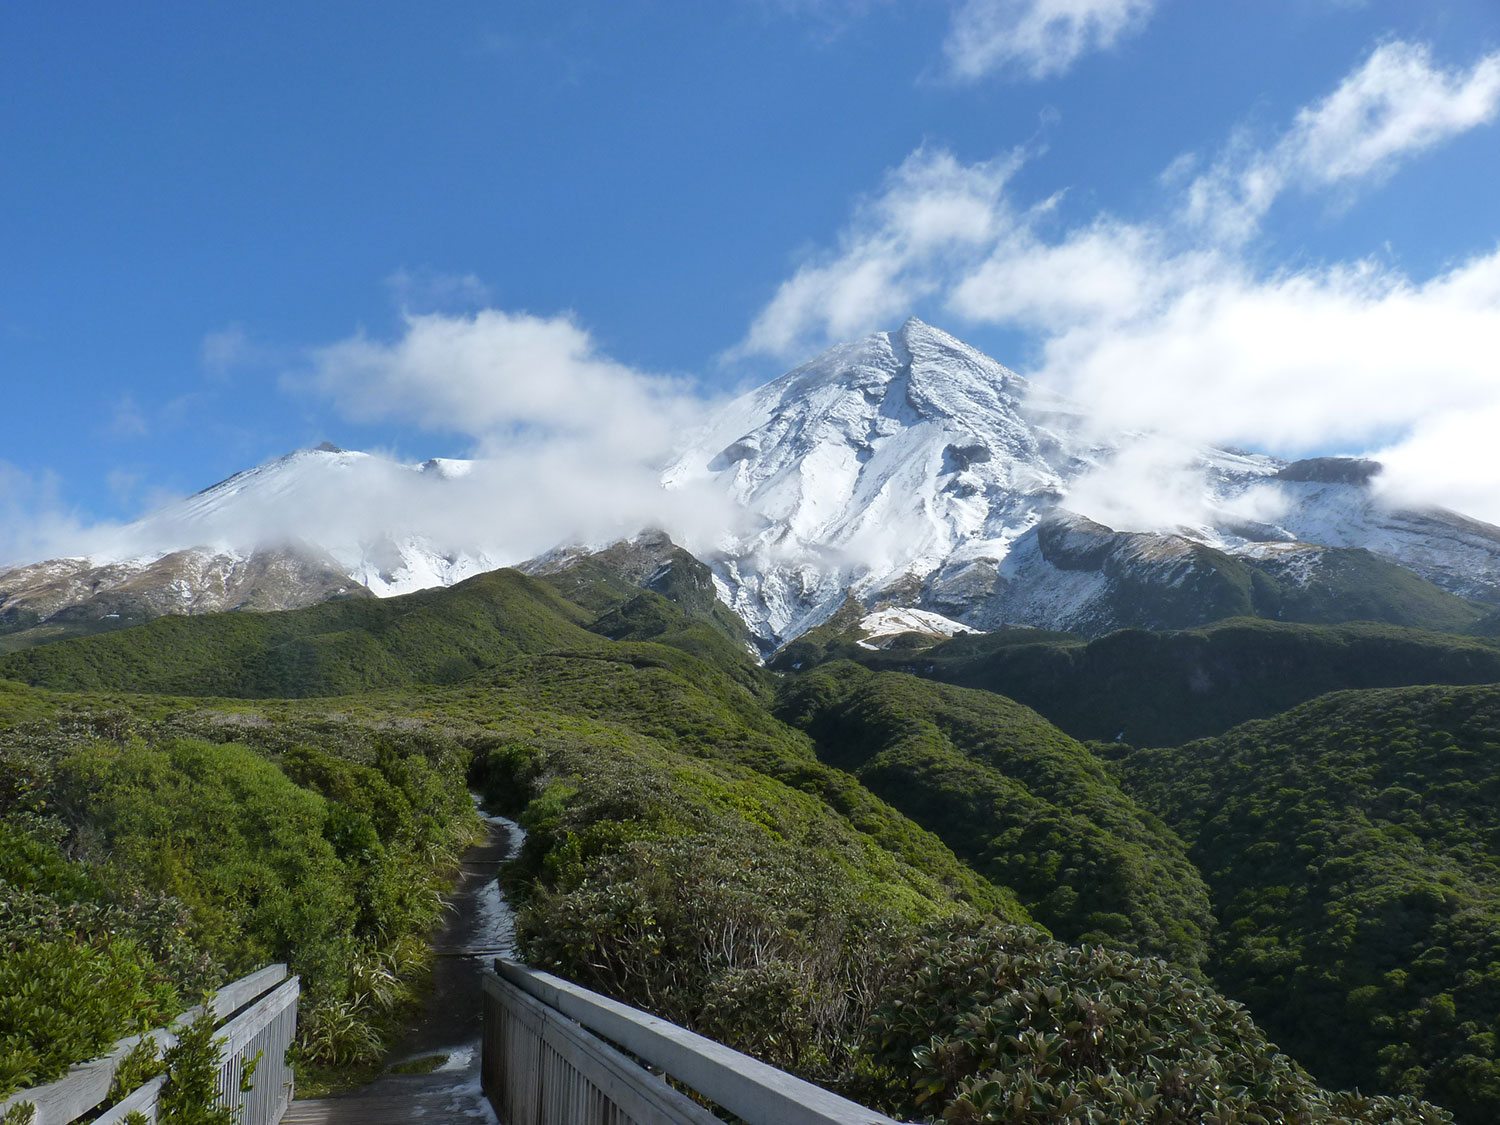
1350,846
1001,1024
63,1001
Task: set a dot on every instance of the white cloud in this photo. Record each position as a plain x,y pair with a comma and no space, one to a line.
494,375
1397,104
572,443
221,352
35,523
1337,355
429,290
1036,38
1166,326
127,420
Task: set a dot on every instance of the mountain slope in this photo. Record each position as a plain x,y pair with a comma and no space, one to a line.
73,597
1016,798
906,468
914,471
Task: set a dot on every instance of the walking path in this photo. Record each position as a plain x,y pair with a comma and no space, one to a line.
479,926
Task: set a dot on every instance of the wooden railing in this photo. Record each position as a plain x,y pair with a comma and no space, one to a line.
255,1018
546,1061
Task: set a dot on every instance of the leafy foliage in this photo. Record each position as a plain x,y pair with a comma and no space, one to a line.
192,1063
141,862
435,636
1000,1024
1350,846
62,1001
828,881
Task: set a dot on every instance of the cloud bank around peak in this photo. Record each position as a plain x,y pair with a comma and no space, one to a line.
496,377
1169,323
570,443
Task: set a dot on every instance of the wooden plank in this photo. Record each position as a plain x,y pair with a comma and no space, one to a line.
747,1087
232,997
579,1070
264,1027
634,1091
143,1100
239,1032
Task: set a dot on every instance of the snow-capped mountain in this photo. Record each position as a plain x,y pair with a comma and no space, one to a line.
906,469
334,497
229,547
912,470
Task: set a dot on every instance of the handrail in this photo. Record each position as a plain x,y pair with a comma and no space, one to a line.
754,1091
263,995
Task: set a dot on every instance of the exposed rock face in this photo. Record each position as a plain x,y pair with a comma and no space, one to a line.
1331,470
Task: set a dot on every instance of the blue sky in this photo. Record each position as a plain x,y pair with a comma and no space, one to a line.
204,208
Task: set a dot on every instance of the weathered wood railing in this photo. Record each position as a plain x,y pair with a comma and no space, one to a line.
255,1018
546,1062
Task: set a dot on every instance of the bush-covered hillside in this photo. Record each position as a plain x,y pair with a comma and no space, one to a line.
689,850
431,637
1161,689
144,862
1352,847
1015,797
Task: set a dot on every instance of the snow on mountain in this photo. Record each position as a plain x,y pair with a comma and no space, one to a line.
332,498
914,471
906,468
887,458
893,621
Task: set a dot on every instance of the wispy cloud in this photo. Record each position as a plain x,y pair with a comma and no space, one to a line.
35,521
127,419
1398,104
930,218
1036,38
426,290
224,351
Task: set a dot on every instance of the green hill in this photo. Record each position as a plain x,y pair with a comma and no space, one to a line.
1350,846
827,873
431,637
1015,797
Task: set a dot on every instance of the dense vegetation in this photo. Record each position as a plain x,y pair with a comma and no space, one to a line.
1019,800
1353,850
341,647
144,862
848,873
1161,689
1004,1025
